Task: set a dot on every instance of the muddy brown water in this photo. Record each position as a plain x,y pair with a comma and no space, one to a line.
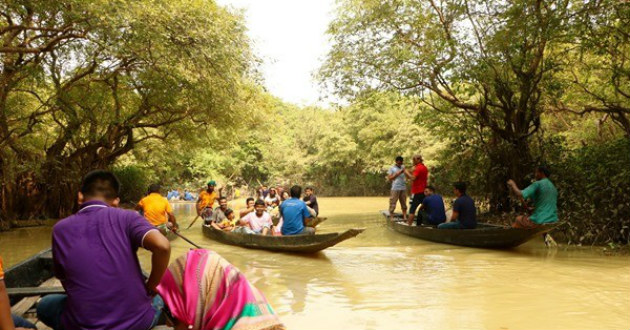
385,280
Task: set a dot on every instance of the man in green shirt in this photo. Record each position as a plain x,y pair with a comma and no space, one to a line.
545,197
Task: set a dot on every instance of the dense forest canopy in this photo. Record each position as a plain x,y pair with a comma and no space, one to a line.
169,92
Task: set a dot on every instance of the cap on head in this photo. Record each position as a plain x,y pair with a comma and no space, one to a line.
212,183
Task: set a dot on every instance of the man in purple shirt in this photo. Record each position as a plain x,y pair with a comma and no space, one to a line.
94,254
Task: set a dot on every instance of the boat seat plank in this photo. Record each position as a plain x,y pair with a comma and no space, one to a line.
34,291
25,304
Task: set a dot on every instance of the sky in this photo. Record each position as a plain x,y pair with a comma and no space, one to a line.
290,37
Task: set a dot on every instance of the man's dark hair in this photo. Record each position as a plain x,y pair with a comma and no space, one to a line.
461,186
259,202
399,158
228,212
309,188
222,198
432,188
100,183
544,170
296,191
250,199
154,188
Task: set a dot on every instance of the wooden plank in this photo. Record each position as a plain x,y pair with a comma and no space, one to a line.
25,304
34,291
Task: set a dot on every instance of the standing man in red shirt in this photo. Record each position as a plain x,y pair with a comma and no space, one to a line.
418,183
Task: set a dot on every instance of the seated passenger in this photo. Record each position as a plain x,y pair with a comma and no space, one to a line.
272,197
284,196
464,211
249,208
545,197
294,213
432,208
226,224
157,210
223,297
259,222
218,215
311,202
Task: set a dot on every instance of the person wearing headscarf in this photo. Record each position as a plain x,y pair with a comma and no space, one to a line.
204,291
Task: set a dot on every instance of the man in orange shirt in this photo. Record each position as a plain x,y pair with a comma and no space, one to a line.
157,210
206,200
7,320
418,183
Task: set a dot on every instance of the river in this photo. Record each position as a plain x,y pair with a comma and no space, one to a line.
385,280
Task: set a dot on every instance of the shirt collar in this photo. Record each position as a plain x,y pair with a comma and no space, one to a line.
94,204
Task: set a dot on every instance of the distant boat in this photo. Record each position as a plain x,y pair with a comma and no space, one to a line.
484,236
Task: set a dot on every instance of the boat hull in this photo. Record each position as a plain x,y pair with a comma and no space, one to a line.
294,243
484,236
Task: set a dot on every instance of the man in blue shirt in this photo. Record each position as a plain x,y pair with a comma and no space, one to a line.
294,213
464,211
432,207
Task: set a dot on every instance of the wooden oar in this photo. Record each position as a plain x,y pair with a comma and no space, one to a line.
193,222
186,239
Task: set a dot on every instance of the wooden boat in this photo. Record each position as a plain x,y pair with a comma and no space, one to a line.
484,236
296,243
31,279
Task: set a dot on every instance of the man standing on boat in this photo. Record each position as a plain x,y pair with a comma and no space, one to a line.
94,256
206,199
396,175
418,183
157,210
294,213
545,197
464,211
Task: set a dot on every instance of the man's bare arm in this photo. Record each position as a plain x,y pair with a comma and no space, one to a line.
160,249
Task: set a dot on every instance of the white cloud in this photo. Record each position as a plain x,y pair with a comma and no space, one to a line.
290,37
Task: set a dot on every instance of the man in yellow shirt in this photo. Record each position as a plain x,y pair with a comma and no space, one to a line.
157,210
206,200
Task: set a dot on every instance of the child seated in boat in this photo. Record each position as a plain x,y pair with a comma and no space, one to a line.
258,222
226,224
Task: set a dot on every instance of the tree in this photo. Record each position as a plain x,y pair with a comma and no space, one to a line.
484,59
136,71
598,75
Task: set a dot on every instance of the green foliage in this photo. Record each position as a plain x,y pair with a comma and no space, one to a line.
594,188
134,182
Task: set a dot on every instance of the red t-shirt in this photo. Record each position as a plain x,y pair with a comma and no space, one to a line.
421,173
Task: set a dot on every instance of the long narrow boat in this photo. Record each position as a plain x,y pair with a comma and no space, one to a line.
295,243
484,236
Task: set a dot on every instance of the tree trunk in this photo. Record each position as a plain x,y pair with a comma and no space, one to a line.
509,161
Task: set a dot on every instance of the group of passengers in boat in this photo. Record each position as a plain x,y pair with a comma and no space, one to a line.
291,214
430,209
95,258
